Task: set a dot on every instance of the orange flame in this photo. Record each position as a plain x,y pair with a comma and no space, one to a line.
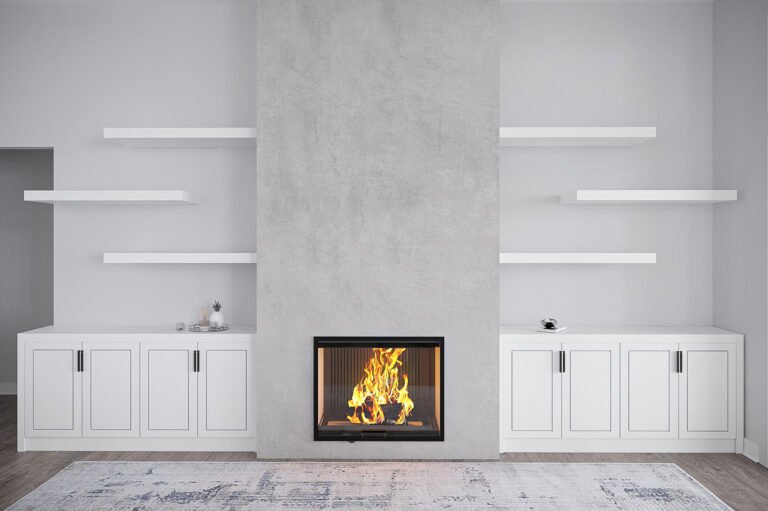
379,387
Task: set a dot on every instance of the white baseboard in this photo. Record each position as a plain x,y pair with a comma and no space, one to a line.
751,450
7,388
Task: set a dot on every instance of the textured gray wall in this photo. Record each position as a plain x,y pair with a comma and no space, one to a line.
378,210
69,69
606,64
741,228
26,253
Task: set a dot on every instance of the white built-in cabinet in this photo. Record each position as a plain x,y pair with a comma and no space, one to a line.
158,392
685,390
196,389
81,389
593,390
561,391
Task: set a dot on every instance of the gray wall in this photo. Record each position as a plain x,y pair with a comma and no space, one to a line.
378,211
608,64
26,253
741,229
72,68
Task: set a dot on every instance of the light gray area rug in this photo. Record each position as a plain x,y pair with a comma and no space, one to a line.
87,486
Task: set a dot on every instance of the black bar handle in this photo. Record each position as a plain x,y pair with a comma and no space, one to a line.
562,354
679,361
196,361
561,362
80,361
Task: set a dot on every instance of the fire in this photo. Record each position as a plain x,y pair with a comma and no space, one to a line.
379,396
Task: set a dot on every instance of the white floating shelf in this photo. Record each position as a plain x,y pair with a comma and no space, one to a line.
182,137
576,258
109,196
180,258
649,196
574,137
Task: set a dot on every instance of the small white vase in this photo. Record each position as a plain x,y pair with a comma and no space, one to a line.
216,319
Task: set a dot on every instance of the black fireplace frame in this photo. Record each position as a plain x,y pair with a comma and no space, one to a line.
379,342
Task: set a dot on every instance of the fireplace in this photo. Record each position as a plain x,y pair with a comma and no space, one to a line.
379,388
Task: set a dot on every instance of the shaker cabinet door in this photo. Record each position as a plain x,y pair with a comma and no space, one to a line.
708,391
168,390
225,383
53,386
649,390
111,389
531,390
591,390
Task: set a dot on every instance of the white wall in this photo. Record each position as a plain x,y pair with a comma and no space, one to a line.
608,64
26,253
741,229
70,69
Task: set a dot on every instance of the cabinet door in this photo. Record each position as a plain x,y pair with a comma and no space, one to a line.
591,390
225,383
708,391
168,390
53,390
648,390
110,389
530,390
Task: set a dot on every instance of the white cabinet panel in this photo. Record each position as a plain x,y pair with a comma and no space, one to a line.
531,392
708,391
648,390
225,383
53,390
111,389
590,390
169,390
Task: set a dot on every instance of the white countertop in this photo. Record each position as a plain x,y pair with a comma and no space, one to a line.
615,331
111,331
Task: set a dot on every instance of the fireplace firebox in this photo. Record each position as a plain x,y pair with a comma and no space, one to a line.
379,388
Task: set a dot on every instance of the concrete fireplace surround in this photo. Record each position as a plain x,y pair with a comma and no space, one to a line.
378,206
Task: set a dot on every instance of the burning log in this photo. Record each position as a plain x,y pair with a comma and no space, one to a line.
392,412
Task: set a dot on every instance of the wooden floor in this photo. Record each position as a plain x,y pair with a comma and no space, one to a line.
741,483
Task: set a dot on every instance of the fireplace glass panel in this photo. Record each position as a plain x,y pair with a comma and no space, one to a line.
378,388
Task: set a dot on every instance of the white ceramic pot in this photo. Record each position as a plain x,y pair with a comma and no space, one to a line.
216,319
